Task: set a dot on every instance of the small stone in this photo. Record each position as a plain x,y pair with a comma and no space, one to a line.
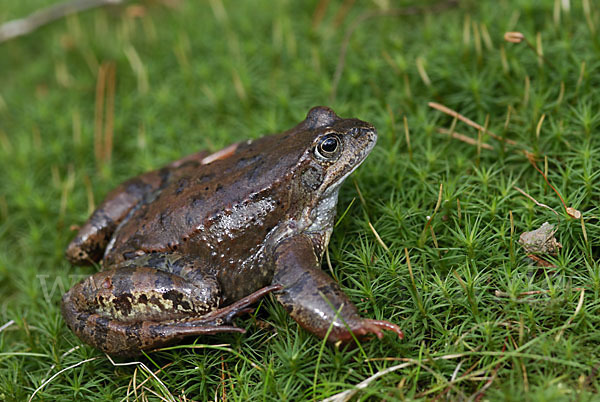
541,240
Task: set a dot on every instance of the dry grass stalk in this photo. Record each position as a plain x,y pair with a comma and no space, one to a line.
514,37
99,112
538,128
570,320
23,26
464,138
539,204
522,365
468,121
340,16
110,114
378,237
407,136
499,293
104,113
347,395
148,371
479,394
518,37
437,206
59,373
319,13
420,62
572,212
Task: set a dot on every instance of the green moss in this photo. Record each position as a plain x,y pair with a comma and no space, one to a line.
202,75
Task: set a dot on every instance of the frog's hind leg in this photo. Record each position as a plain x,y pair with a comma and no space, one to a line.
130,339
93,237
124,311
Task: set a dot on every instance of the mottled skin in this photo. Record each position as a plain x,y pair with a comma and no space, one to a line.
187,247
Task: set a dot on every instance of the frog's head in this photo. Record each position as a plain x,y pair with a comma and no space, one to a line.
338,146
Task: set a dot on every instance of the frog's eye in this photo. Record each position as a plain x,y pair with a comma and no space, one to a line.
328,146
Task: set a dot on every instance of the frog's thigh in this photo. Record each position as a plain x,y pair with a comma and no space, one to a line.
143,293
191,269
122,311
91,240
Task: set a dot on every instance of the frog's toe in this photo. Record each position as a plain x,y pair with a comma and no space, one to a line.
248,310
369,326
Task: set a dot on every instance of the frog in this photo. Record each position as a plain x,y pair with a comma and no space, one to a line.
186,248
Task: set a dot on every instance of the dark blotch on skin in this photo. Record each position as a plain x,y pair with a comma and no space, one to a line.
164,175
205,178
157,302
247,161
101,332
255,171
177,299
132,334
122,303
181,185
165,219
137,186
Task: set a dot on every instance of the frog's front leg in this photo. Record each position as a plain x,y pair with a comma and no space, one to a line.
314,299
126,310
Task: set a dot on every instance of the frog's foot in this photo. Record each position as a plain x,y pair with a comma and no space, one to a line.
368,326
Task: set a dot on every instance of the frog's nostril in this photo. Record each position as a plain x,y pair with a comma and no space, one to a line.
364,132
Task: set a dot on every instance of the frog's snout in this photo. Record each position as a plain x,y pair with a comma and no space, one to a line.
366,137
369,132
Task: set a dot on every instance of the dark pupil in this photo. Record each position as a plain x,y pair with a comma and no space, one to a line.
329,145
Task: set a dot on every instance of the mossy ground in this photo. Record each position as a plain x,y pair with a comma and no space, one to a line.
191,75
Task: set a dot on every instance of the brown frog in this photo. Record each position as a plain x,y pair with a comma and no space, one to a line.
187,247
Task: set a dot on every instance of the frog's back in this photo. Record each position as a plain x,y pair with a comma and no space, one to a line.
225,207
